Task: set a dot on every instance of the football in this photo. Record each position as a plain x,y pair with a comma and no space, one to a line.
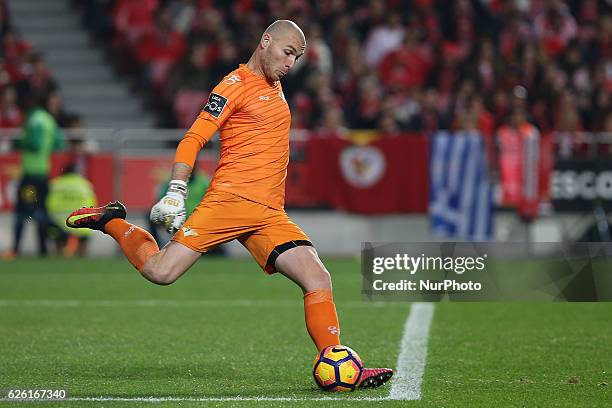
337,368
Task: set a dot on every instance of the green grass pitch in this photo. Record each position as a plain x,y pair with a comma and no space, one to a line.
97,329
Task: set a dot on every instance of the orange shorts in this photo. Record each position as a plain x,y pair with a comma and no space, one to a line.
222,217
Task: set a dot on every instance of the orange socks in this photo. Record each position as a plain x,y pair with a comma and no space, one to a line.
321,318
137,244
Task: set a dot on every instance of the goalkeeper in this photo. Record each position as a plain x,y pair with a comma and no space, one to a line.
245,200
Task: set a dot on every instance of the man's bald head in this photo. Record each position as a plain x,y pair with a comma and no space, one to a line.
281,28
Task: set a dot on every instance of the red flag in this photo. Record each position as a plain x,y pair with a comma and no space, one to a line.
387,176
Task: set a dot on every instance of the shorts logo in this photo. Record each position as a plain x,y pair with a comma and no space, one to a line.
215,105
188,232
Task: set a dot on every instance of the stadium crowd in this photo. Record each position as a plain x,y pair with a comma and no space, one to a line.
394,65
24,73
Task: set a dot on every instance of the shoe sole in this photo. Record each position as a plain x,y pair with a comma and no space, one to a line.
376,380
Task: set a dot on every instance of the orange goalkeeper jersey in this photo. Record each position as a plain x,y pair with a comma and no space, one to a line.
253,119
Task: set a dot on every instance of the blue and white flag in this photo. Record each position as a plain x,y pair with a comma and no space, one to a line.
461,195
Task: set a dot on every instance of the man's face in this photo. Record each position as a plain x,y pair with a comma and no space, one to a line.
280,54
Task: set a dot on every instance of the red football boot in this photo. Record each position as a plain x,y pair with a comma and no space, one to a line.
96,217
375,377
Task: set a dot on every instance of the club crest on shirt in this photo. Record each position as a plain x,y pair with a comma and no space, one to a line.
215,105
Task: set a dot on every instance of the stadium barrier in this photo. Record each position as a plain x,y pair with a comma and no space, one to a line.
375,176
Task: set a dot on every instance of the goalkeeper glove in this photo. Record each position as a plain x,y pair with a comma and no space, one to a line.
170,210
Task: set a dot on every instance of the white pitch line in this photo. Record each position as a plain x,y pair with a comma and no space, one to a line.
111,303
406,384
201,399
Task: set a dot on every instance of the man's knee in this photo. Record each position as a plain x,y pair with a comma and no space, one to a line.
158,273
166,266
164,278
323,279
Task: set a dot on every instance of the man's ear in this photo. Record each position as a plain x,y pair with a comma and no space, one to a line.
266,39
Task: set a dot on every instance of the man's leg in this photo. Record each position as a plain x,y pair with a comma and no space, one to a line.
302,265
280,245
42,227
160,267
26,196
18,231
41,215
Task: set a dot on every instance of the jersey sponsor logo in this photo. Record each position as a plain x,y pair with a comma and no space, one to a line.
362,166
232,79
215,105
264,98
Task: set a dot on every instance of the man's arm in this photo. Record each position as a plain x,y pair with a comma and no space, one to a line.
170,210
194,140
181,171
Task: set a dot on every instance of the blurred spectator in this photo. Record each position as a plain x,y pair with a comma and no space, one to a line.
37,82
333,124
405,107
15,51
366,112
182,13
10,114
555,27
55,106
484,123
516,30
41,136
407,66
80,143
160,48
5,23
67,192
485,69
383,39
318,54
133,18
607,127
431,118
227,61
387,125
518,141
